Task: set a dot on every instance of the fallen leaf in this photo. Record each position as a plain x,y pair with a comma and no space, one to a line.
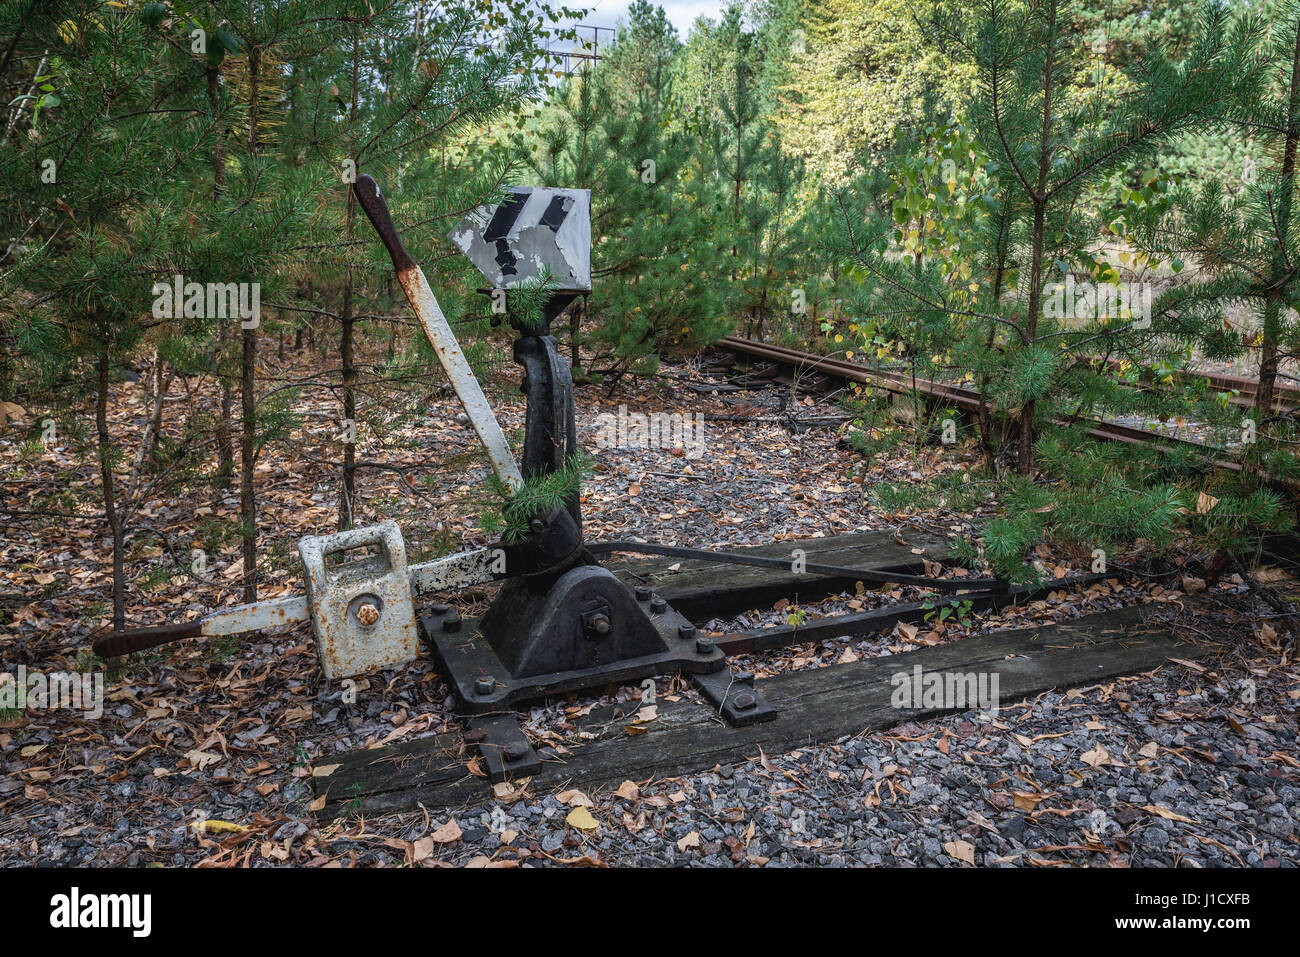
1026,800
507,792
448,833
202,759
961,850
581,818
1167,814
1096,758
213,826
628,791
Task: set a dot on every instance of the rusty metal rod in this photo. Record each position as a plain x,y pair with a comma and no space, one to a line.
830,571
138,639
439,333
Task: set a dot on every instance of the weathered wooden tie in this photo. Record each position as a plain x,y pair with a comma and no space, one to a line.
816,707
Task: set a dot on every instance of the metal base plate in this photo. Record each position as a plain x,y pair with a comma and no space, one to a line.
734,696
505,750
482,683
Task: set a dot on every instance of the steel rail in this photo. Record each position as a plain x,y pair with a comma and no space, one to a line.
960,396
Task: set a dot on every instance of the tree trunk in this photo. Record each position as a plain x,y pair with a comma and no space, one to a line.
1025,460
248,397
225,447
348,483
348,487
111,515
163,375
1275,309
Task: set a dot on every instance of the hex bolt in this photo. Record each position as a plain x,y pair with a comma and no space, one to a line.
515,752
598,623
485,686
451,622
644,592
686,631
744,701
368,614
658,605
704,645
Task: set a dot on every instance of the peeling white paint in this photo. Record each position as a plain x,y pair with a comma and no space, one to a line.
566,252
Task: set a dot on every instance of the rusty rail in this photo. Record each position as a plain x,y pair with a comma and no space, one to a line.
963,398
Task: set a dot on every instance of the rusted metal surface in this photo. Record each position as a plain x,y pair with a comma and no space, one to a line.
1286,397
343,597
875,576
538,230
461,570
439,333
965,398
456,571
462,378
138,639
227,621
255,617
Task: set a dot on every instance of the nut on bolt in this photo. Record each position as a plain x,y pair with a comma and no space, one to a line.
704,645
686,631
658,605
515,752
485,686
368,614
451,622
596,623
644,593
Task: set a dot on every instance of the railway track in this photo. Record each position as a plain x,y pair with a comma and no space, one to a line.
1241,390
806,364
613,740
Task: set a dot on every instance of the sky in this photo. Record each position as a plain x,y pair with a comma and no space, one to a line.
681,13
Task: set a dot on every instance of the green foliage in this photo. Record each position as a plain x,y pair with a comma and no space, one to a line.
1242,239
910,183
958,611
609,130
1050,187
508,515
860,74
